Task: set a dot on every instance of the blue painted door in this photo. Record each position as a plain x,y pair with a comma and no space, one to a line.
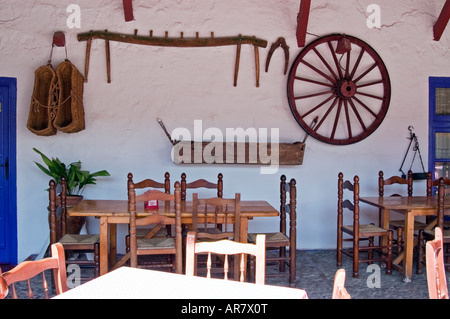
8,202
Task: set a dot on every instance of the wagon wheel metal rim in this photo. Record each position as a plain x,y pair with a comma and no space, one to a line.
338,98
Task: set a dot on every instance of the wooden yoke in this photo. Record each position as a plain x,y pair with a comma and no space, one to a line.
170,42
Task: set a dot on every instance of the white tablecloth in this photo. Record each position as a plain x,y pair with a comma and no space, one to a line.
135,283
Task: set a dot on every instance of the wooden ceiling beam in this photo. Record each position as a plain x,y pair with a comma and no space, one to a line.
128,10
302,22
442,21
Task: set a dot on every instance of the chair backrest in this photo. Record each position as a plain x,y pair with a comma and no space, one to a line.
431,183
213,217
150,183
352,206
436,278
29,269
201,183
290,207
58,211
395,180
227,247
339,291
155,218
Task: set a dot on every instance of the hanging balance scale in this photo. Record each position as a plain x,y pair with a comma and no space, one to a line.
414,144
343,83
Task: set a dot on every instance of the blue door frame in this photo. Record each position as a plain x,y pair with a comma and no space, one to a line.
8,200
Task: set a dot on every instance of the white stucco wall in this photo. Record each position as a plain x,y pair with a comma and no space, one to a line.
181,85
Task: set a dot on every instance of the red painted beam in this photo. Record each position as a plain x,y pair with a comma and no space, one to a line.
128,10
302,22
442,21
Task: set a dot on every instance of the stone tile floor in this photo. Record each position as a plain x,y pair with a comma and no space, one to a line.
316,270
315,274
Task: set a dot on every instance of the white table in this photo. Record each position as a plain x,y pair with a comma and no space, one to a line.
135,283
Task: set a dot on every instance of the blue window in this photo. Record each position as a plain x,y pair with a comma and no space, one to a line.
439,127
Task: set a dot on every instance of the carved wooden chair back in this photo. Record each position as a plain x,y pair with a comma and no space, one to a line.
81,243
216,218
171,215
395,180
26,270
436,278
201,183
150,183
227,248
339,290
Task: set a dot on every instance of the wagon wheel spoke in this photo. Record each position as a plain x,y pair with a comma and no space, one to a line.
318,106
358,94
313,81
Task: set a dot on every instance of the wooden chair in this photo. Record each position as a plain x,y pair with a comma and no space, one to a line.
359,232
283,239
339,291
150,184
85,243
201,183
436,278
429,233
226,248
26,270
156,245
398,225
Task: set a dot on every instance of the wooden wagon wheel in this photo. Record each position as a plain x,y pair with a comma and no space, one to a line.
348,93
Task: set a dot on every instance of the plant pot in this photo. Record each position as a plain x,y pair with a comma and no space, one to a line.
74,224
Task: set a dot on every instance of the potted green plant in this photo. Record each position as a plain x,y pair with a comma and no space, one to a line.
76,178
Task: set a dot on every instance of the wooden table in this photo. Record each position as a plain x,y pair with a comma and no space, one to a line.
113,212
135,283
410,206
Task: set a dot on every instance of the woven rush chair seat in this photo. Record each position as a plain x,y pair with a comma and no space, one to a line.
366,228
431,234
155,243
401,223
271,237
142,232
68,239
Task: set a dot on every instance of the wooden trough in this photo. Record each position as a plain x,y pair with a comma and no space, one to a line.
190,152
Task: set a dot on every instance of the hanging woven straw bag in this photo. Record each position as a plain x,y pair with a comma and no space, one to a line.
43,102
70,113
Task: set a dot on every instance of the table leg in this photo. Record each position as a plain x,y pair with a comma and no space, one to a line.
112,244
409,245
385,224
103,245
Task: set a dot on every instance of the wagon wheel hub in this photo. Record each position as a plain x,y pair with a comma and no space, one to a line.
345,89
